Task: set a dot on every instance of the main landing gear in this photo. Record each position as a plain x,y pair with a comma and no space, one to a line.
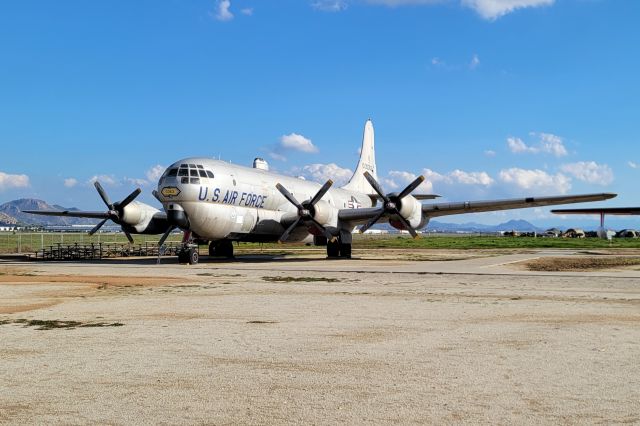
222,248
340,247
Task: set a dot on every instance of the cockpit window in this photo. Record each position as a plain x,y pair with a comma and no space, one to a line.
193,172
202,173
209,174
183,172
183,165
195,180
192,165
200,167
172,173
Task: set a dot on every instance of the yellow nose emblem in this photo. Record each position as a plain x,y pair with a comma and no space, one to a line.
170,191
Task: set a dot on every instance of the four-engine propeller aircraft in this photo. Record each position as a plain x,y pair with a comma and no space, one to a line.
218,202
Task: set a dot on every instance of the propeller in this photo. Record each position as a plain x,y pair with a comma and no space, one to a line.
392,203
306,211
116,210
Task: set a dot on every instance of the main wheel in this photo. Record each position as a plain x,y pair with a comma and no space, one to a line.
225,249
333,249
193,256
212,249
345,251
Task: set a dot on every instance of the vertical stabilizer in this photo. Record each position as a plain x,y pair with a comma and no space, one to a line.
367,163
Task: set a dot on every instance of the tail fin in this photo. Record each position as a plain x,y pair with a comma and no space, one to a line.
367,162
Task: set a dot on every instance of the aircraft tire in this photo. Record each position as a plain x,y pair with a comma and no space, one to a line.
333,249
183,256
212,249
345,251
225,249
193,256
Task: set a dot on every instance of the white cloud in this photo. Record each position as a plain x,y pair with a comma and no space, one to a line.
323,172
632,164
471,178
104,180
547,143
278,157
223,12
590,172
8,181
136,181
552,144
330,5
475,62
538,180
400,179
297,142
248,11
70,182
490,153
155,172
494,9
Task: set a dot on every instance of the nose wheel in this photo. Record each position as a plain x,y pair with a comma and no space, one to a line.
188,255
337,249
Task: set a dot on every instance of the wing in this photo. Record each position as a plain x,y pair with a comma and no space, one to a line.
610,210
69,213
445,209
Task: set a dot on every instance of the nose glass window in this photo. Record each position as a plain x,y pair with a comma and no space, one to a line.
183,172
172,173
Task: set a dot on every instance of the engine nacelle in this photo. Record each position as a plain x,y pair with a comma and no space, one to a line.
325,213
411,210
138,215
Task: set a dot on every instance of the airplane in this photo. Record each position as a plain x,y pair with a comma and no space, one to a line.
217,202
602,211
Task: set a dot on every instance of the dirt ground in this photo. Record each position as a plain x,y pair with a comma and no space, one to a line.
448,338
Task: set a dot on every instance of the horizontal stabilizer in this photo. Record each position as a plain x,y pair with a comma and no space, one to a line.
609,210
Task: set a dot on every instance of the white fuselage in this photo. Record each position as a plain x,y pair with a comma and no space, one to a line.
223,200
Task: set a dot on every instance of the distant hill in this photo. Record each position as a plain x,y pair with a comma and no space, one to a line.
11,213
512,225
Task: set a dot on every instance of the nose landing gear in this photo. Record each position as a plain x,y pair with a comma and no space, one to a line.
188,255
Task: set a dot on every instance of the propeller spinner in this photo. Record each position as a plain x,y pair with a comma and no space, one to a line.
392,203
306,211
116,210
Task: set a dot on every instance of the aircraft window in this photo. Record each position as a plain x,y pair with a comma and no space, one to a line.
172,173
192,165
183,172
183,165
193,172
209,174
202,173
200,167
185,180
195,180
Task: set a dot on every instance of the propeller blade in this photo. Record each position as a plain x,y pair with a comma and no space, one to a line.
408,226
98,226
372,221
122,204
129,237
165,236
289,230
413,185
103,195
322,229
376,186
289,196
321,192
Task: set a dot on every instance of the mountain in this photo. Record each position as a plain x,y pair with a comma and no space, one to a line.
512,225
11,213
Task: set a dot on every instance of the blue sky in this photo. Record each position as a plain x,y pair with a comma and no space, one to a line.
487,98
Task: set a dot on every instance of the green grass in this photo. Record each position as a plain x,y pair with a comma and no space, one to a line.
26,243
